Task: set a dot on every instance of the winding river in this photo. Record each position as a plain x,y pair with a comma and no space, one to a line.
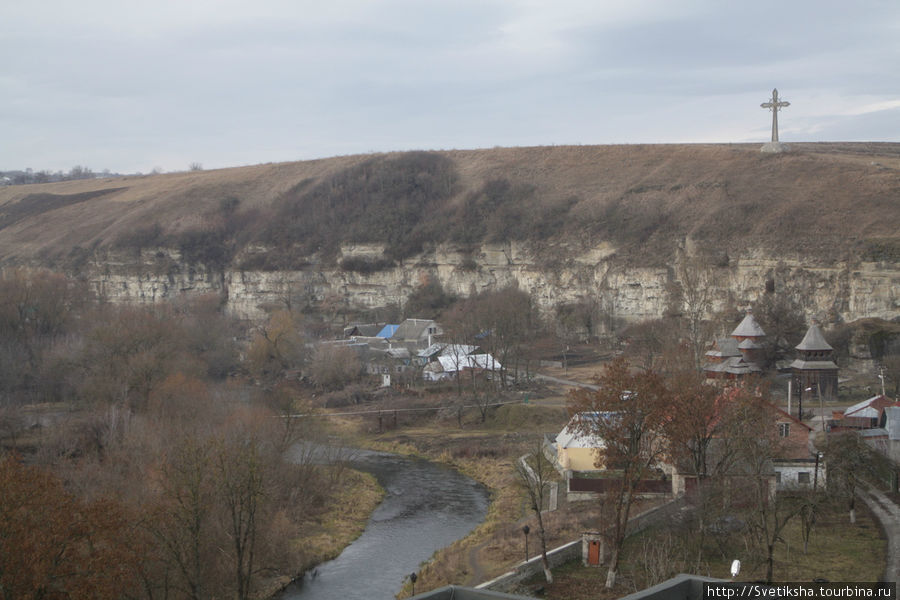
426,507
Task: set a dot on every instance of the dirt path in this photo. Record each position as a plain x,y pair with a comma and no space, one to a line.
889,514
566,382
476,572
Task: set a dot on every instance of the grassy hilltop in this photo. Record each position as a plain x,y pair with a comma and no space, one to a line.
832,201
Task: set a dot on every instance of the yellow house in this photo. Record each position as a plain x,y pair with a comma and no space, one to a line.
576,449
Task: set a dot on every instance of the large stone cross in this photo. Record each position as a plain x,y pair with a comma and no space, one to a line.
774,105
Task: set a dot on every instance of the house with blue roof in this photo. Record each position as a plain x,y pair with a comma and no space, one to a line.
387,331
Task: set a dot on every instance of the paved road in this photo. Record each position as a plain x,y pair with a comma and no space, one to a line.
889,514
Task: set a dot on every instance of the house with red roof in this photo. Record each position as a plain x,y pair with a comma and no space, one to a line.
867,414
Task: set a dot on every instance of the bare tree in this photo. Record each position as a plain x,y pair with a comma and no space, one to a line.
240,473
752,486
850,463
277,346
695,292
334,366
534,473
181,519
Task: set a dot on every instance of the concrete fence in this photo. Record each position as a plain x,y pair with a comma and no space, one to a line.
510,581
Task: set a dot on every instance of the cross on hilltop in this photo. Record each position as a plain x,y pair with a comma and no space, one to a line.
774,104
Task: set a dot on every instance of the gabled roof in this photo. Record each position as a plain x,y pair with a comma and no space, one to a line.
458,350
363,329
749,344
451,364
432,350
399,353
412,329
733,365
814,339
484,361
870,408
387,331
748,328
786,416
573,435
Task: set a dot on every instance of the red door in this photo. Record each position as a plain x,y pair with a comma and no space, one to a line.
594,553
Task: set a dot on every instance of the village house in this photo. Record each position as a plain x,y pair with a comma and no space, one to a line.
576,448
868,414
447,367
886,437
362,330
433,352
410,346
416,334
391,349
795,465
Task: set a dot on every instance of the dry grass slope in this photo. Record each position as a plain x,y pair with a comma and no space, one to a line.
837,200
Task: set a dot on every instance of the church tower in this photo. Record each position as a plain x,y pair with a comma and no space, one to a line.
814,368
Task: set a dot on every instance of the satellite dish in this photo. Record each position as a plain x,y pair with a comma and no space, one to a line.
735,568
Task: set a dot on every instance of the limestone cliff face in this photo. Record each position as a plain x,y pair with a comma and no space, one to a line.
840,291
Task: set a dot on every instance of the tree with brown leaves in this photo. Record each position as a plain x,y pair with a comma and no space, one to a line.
54,546
629,413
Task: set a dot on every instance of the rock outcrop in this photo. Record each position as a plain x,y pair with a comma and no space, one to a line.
840,292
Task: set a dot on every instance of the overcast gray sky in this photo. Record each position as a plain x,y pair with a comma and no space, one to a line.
131,86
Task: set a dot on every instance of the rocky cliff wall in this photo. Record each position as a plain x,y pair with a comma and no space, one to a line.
841,291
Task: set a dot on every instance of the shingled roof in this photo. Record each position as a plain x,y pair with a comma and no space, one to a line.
748,328
723,348
814,339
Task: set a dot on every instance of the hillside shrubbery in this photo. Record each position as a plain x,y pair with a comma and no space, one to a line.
400,201
502,211
383,200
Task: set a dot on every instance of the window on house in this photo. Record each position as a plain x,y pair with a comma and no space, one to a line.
784,429
777,476
803,477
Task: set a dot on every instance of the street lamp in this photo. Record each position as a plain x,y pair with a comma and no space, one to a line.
819,457
526,530
413,577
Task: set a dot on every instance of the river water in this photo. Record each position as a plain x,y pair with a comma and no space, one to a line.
426,507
